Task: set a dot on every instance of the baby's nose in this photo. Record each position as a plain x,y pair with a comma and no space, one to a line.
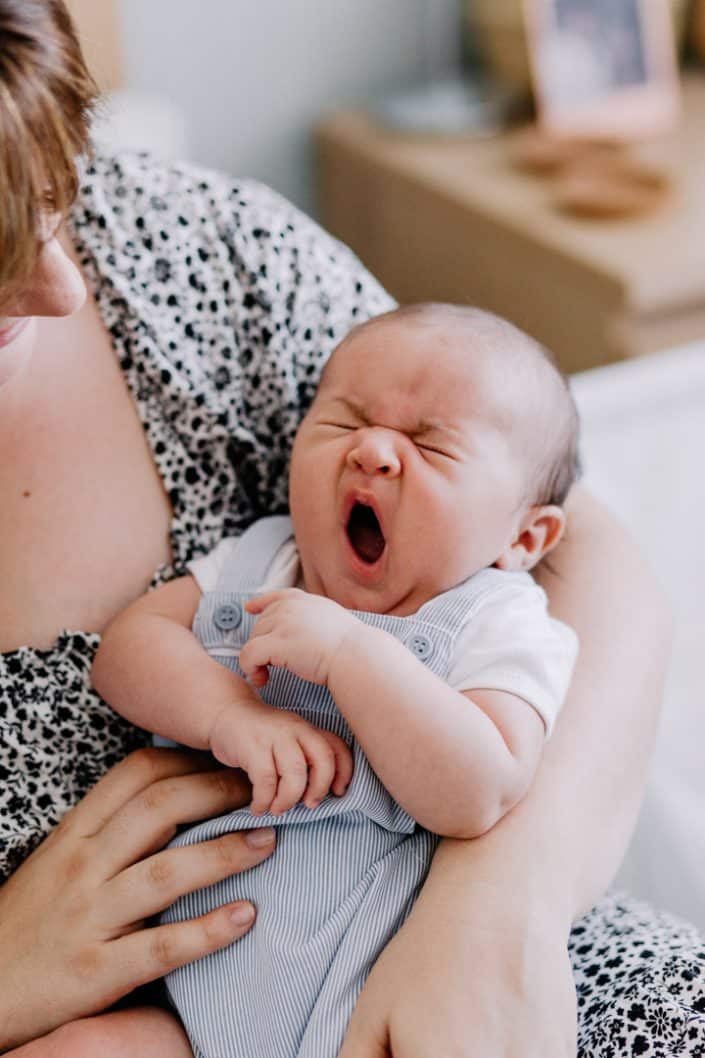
375,453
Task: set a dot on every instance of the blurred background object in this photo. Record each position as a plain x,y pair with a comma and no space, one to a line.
500,28
251,80
457,94
603,68
97,21
696,29
126,119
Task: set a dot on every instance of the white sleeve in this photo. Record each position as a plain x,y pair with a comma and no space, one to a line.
511,643
206,571
283,571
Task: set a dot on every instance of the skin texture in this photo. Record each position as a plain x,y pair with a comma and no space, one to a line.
55,289
142,1031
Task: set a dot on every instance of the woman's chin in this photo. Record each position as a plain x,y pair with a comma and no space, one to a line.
16,345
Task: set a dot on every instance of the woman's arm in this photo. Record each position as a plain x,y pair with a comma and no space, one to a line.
505,902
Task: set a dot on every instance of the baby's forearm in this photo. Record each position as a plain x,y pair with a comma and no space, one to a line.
440,756
154,672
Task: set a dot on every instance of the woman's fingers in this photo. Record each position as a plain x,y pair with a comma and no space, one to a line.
129,778
144,956
71,916
151,885
149,820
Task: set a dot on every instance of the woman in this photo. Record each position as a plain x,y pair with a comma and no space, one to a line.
137,427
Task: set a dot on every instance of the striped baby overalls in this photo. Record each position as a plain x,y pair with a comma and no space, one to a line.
343,876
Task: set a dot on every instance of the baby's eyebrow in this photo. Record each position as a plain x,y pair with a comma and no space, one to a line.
418,429
354,407
425,426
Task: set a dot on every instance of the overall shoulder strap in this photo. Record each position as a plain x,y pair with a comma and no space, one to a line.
453,608
247,567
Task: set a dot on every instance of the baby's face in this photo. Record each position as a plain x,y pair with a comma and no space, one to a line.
408,473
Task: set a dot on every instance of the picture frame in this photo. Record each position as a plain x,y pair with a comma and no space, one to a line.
603,69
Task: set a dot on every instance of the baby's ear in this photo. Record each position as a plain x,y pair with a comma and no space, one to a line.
540,530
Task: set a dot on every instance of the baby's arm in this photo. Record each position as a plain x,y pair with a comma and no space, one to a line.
457,762
119,1034
153,671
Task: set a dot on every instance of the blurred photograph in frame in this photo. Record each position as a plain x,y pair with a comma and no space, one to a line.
603,68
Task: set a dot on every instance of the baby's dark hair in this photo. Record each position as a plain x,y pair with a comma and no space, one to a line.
528,365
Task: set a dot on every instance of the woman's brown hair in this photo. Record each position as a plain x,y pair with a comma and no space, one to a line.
46,98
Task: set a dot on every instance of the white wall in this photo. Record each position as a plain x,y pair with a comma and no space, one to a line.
253,76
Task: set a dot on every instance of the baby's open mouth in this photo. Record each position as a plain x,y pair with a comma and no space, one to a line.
365,534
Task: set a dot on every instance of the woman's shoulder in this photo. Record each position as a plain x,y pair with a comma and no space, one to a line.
221,261
141,183
240,224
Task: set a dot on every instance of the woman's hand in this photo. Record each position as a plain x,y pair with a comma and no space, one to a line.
72,918
468,974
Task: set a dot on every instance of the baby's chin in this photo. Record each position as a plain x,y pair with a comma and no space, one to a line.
385,598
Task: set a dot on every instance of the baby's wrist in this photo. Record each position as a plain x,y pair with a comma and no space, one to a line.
236,709
353,647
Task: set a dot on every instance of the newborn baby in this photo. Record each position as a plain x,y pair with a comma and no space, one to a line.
380,663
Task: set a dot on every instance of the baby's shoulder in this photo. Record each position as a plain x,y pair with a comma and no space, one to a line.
492,586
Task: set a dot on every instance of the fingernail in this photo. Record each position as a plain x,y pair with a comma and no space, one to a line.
242,914
257,839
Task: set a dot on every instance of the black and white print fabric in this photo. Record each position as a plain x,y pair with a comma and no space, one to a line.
640,981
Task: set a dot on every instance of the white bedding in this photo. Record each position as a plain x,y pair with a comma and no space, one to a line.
643,424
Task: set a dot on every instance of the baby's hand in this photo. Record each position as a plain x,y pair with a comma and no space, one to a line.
286,758
296,631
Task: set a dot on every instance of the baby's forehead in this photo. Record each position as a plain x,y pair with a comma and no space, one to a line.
474,364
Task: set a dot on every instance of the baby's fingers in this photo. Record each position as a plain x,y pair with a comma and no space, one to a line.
321,766
255,660
262,773
343,763
258,676
293,774
261,602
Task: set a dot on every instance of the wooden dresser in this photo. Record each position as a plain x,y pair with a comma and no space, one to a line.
454,220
